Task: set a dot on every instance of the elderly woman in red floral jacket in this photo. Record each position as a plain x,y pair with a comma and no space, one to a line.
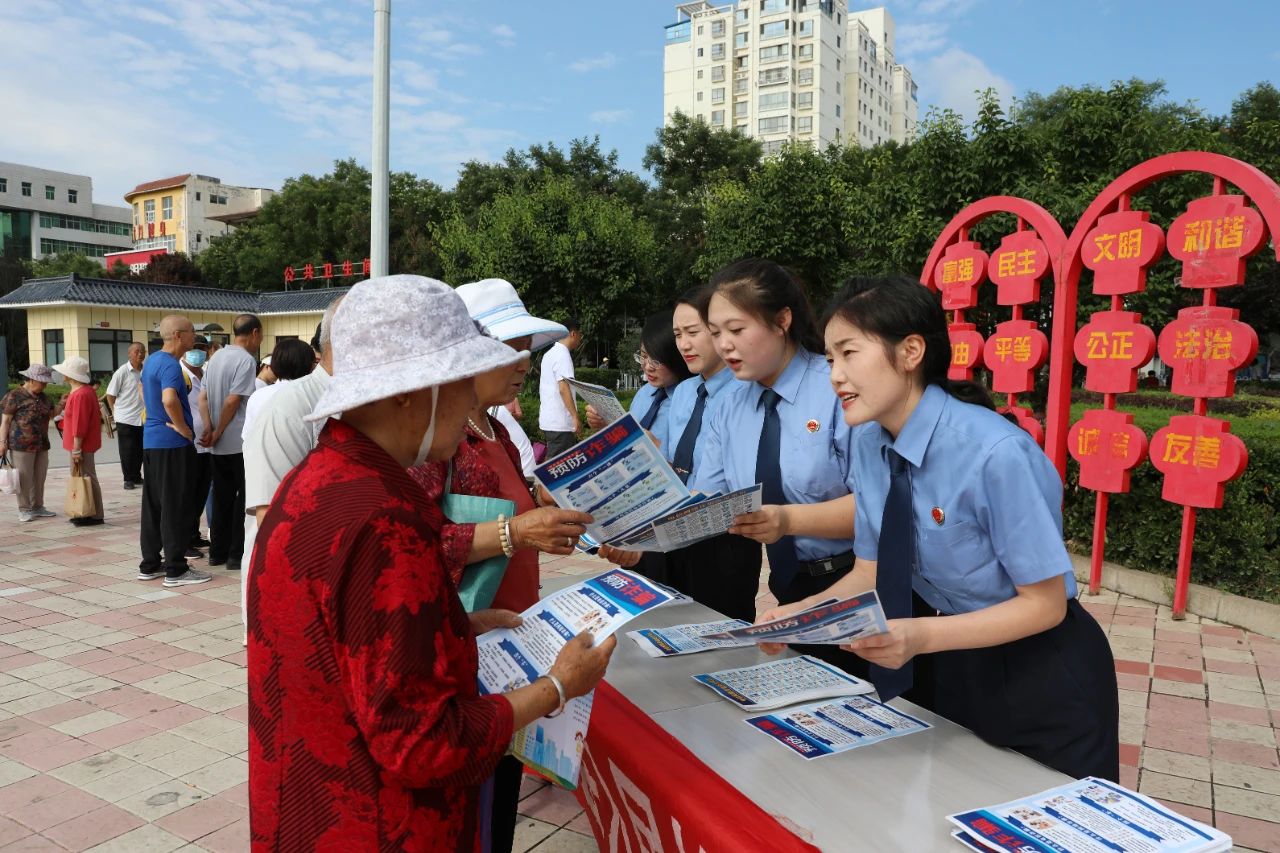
366,729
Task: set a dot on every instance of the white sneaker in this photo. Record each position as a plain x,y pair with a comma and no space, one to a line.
26,515
41,512
190,576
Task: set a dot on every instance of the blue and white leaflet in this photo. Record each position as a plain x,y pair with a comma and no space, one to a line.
831,623
785,681
686,639
827,728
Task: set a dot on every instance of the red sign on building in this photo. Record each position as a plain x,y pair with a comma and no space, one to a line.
1213,239
326,270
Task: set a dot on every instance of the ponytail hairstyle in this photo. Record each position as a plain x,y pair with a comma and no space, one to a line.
892,308
659,340
763,288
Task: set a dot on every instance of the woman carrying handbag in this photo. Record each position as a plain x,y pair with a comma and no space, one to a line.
82,436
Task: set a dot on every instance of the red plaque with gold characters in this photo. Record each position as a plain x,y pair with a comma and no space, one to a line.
963,268
1013,354
1108,447
1205,346
1119,249
1213,239
1198,457
1017,267
1112,346
1027,420
966,350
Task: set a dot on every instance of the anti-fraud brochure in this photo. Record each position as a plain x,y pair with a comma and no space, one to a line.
781,682
600,398
638,502
825,728
686,639
513,657
831,623
1088,816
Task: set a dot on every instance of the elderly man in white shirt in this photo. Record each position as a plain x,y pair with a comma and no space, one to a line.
278,439
124,396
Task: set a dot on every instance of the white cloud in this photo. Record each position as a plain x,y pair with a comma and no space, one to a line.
503,33
955,76
595,63
610,116
948,7
921,38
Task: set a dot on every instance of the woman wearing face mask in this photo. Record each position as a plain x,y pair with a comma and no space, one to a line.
779,427
962,507
193,362
367,732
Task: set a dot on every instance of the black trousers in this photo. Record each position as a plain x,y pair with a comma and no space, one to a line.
723,573
558,442
802,585
130,439
166,508
203,477
1051,696
655,566
226,528
506,799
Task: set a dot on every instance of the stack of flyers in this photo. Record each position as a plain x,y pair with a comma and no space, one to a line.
830,623
687,639
781,682
1088,816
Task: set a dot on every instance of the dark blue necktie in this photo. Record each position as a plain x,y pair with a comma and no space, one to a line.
782,554
683,462
659,397
896,563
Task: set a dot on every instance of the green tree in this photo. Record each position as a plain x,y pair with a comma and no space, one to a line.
65,264
177,268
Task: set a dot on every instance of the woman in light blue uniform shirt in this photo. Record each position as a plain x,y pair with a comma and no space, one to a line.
780,427
960,508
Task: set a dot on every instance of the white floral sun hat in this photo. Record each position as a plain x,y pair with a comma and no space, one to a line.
494,304
402,333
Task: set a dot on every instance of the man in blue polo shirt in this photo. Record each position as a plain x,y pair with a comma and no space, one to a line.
168,459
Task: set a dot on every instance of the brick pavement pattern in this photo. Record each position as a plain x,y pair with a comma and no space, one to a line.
122,704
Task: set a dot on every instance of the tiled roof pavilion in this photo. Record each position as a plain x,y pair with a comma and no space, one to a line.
78,290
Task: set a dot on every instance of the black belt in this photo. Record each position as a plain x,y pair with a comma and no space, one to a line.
827,565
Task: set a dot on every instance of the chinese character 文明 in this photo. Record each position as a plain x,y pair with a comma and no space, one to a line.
1175,449
1206,452
1106,247
1186,343
1195,237
1087,442
1228,232
1131,243
960,352
1022,349
1120,445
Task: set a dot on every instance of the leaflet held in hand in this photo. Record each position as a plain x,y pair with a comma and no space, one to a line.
781,682
638,502
598,397
831,623
511,658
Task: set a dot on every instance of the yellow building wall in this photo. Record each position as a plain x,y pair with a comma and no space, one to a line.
176,226
276,327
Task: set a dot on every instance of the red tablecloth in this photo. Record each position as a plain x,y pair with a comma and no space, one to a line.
643,790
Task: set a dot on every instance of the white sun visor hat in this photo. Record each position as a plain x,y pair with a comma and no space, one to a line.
494,304
402,333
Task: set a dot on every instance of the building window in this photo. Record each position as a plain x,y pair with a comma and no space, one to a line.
149,210
699,96
717,51
773,147
84,223
837,111
775,53
198,192
73,196
4,185
740,40
777,29
49,193
805,51
699,76
804,29
772,75
776,124
804,77
54,348
166,207
26,188
108,349
742,16
699,30
717,29
63,247
717,74
804,101
740,108
717,118
699,52
804,124
769,6
740,86
717,96
774,101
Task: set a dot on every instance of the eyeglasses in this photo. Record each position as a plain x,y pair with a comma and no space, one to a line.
644,360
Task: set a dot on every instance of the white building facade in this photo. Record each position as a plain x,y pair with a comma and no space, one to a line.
43,213
783,70
185,212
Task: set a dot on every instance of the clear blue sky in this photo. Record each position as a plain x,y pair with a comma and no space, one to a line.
254,91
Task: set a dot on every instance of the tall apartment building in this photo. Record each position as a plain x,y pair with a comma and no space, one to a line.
183,213
782,70
44,213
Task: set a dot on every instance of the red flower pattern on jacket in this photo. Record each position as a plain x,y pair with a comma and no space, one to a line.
366,730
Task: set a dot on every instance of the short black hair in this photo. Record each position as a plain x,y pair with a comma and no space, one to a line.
572,325
315,340
292,359
659,341
246,324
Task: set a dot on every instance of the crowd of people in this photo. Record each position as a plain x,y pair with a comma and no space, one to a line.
380,490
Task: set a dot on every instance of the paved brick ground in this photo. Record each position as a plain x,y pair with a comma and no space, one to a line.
122,704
